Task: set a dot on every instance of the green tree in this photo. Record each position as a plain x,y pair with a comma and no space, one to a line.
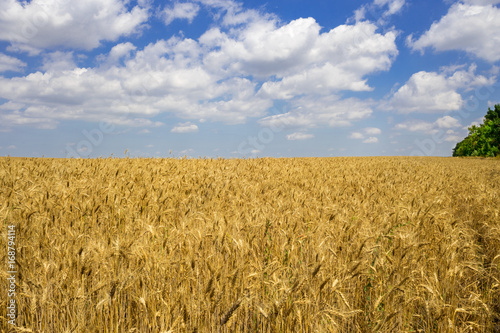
483,140
493,114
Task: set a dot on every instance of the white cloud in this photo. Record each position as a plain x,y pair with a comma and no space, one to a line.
472,27
17,118
321,63
185,128
215,78
371,140
481,2
299,136
58,61
262,48
447,122
357,135
393,6
452,138
373,131
360,14
297,54
442,125
366,131
467,79
232,13
8,63
38,24
426,92
431,92
417,126
146,85
118,52
379,9
308,112
180,10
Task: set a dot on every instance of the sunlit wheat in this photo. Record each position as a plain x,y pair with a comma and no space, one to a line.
382,244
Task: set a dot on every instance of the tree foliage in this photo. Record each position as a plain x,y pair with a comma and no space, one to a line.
483,140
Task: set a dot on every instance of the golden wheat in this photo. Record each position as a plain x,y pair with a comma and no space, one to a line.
379,244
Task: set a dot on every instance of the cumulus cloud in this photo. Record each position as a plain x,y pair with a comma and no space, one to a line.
36,25
471,26
32,116
183,10
232,13
331,61
58,61
370,132
452,137
147,85
379,8
373,131
481,2
371,140
187,127
357,135
426,92
8,63
431,92
299,136
417,126
310,112
447,122
445,125
117,53
233,72
393,6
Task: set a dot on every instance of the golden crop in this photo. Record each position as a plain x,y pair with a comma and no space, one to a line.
376,244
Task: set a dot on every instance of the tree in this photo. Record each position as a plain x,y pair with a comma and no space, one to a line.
493,114
483,140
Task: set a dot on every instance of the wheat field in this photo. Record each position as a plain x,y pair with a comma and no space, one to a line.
374,244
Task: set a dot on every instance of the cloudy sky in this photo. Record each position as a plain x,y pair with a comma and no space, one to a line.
244,79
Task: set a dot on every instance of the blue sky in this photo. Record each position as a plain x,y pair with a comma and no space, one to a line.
222,78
